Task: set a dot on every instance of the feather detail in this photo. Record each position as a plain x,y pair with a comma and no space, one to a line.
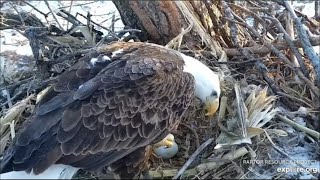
112,102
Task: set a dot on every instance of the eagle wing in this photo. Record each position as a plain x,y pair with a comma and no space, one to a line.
111,102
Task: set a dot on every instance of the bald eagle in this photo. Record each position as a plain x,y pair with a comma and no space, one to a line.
107,109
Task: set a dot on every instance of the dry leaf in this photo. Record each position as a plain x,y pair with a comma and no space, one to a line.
278,132
252,131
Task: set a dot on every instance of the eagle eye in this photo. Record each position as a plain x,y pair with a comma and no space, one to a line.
213,93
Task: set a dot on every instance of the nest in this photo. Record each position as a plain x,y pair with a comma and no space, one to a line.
267,109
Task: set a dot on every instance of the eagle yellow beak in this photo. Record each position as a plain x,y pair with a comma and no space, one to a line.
211,106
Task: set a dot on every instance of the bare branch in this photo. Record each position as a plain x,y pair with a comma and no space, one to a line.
307,46
192,157
291,45
263,49
44,14
312,87
53,14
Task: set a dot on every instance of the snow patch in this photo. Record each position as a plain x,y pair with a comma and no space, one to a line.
106,58
11,40
101,12
93,61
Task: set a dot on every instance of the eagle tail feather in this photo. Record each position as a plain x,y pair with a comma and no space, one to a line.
55,171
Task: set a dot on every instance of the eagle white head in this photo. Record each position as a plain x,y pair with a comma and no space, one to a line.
206,81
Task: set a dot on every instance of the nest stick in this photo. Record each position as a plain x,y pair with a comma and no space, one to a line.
291,44
36,9
295,98
53,14
223,107
278,53
71,3
194,132
193,157
179,37
302,33
311,132
12,129
205,167
8,98
15,110
263,49
19,14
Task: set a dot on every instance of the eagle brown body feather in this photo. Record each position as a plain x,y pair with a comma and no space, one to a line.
105,111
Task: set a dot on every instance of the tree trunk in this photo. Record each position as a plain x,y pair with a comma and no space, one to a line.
161,21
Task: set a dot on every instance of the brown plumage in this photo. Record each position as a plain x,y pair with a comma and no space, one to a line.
104,111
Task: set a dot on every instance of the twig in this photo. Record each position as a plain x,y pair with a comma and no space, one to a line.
310,84
77,5
295,98
53,14
69,17
311,132
302,33
17,83
107,18
195,134
192,158
222,108
32,87
69,56
290,32
95,22
263,49
12,131
233,27
27,3
252,13
313,22
238,62
127,30
8,98
71,3
15,110
178,38
291,44
113,22
115,36
205,167
19,14
263,70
